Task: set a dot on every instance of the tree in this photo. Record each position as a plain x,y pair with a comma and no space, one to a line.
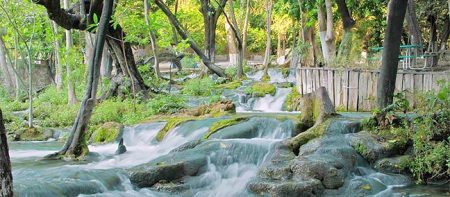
392,41
6,179
348,23
6,72
58,67
413,24
174,21
75,147
266,62
236,39
210,17
326,33
153,40
120,49
245,28
71,94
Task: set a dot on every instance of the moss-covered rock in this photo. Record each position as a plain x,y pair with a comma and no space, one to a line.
398,164
107,133
231,85
293,100
222,124
171,124
260,89
215,110
30,134
314,132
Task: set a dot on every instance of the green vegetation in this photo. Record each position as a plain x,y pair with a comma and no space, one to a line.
200,87
293,100
260,89
231,85
222,124
106,133
427,131
172,122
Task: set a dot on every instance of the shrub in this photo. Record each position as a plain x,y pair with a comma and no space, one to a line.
199,87
293,100
166,104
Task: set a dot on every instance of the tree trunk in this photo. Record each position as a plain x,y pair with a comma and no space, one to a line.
294,62
268,39
432,45
330,30
58,66
392,41
232,48
72,96
6,179
153,38
245,29
173,20
237,40
445,34
346,43
321,14
210,18
413,24
75,147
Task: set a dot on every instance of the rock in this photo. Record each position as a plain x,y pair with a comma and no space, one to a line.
328,169
301,188
368,147
121,148
393,165
187,146
107,133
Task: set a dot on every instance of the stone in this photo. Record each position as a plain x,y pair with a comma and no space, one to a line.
393,164
121,148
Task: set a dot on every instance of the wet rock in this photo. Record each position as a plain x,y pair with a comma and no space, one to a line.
368,147
278,166
121,148
393,164
301,188
330,171
187,146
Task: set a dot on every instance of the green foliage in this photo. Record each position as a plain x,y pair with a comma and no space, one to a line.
199,87
171,124
106,133
166,104
260,89
231,85
293,100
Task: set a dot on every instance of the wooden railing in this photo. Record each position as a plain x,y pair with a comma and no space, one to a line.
356,90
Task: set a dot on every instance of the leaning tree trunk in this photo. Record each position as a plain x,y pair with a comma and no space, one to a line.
346,43
234,27
6,179
75,146
174,21
268,39
232,48
153,38
389,63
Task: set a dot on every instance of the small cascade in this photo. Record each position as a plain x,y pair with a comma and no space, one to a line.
271,103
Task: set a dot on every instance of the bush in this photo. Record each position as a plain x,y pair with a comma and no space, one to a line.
199,87
293,100
166,104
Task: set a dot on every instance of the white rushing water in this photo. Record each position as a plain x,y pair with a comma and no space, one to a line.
270,103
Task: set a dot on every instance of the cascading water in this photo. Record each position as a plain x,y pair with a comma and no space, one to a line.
270,103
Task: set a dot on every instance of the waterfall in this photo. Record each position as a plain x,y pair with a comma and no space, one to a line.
270,103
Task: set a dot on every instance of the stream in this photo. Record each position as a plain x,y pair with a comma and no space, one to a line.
224,164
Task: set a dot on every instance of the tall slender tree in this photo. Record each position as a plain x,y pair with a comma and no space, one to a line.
269,6
75,147
348,23
389,63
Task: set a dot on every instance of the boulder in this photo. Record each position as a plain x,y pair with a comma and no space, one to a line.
121,148
393,164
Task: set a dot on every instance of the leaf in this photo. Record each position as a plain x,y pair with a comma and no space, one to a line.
95,18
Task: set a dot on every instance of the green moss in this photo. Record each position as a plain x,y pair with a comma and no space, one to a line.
231,85
106,133
362,150
285,72
31,134
265,78
293,100
222,124
260,89
312,133
172,123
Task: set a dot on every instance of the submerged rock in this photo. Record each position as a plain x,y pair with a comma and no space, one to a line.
121,148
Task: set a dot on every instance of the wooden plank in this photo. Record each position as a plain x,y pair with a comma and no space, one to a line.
418,87
372,90
304,77
338,94
398,83
353,83
310,81
408,87
316,79
344,86
331,86
427,82
362,91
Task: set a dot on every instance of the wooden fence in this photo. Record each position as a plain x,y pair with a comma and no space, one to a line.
355,90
